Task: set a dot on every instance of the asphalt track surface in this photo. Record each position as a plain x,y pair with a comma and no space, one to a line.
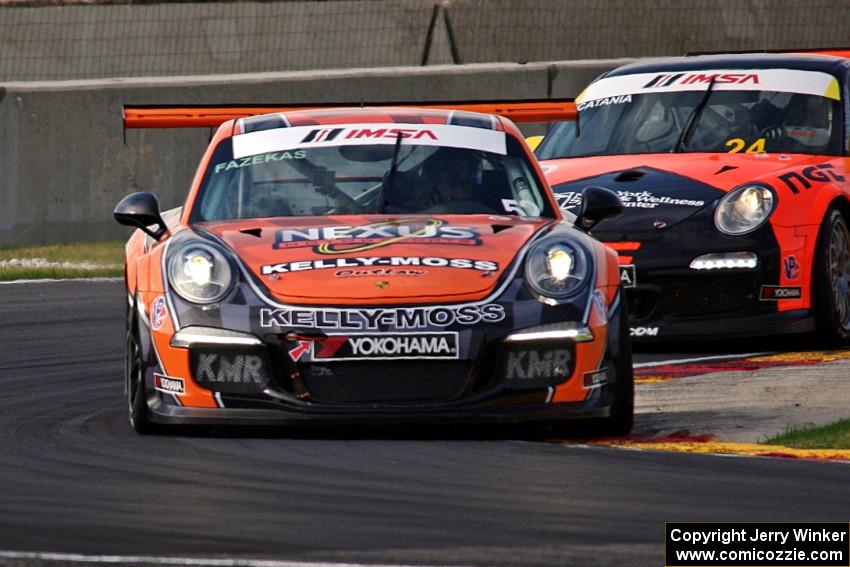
75,479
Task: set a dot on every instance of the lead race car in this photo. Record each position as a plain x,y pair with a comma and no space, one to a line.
733,172
370,265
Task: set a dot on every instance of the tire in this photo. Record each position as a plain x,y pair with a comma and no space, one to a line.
621,420
618,360
134,378
831,279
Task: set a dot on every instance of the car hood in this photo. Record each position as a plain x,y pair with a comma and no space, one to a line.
662,190
377,259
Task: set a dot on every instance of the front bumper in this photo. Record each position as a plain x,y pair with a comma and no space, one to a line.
752,325
491,372
670,300
472,414
261,383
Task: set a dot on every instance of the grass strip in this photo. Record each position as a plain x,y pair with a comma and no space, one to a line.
111,252
831,436
106,259
21,273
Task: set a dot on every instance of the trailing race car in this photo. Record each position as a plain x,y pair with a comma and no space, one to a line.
371,265
733,173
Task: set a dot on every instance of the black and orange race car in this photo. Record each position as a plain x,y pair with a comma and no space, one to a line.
371,265
733,173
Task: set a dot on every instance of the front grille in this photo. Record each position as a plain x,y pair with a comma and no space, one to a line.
403,381
690,296
705,295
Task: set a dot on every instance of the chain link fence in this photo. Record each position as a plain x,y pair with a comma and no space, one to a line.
51,40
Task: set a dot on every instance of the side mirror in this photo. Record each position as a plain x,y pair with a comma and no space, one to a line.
597,204
141,210
533,142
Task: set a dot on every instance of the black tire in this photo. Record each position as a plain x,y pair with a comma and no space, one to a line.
618,361
134,378
622,416
831,279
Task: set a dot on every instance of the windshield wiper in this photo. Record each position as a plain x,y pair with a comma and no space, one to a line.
688,131
387,185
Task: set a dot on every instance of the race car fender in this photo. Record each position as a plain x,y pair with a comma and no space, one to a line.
604,316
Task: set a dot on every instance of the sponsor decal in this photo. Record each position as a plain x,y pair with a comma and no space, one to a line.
567,201
306,137
596,378
778,293
644,331
705,78
622,99
646,200
392,261
376,319
799,133
230,369
303,348
379,272
533,364
322,135
630,199
332,240
168,384
159,312
319,135
601,305
320,371
803,179
792,268
628,275
387,346
257,160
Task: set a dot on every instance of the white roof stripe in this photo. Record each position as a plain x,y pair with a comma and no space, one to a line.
327,135
779,80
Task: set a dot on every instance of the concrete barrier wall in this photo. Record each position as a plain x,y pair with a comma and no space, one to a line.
92,41
132,40
65,161
534,30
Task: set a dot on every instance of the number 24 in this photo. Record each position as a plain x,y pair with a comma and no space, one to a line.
737,144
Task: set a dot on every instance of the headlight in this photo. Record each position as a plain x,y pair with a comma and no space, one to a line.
556,268
744,209
200,273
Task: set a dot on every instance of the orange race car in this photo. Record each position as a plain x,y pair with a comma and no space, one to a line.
733,173
371,265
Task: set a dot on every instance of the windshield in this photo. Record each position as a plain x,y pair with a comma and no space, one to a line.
731,121
320,177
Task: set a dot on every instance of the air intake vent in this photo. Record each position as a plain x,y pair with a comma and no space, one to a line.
631,175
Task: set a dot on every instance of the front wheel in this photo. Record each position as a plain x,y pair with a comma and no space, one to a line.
618,361
623,409
831,279
134,379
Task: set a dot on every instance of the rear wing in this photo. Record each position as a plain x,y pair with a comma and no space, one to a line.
843,52
208,116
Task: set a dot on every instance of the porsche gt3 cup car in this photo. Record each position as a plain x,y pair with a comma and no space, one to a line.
371,265
733,173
